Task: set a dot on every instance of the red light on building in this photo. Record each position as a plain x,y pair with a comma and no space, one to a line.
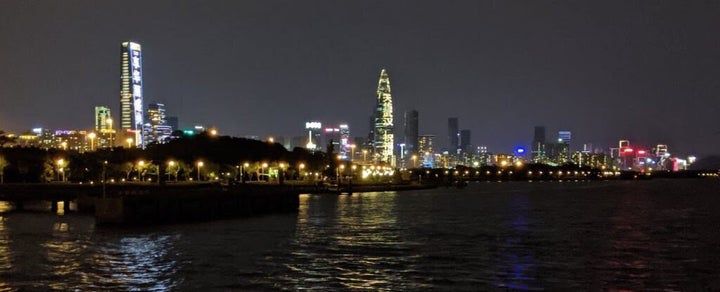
628,150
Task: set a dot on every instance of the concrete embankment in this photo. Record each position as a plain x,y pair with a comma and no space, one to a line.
182,204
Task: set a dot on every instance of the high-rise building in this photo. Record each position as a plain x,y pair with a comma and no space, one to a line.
564,138
411,132
426,150
157,129
313,142
453,135
174,123
465,143
131,93
383,140
537,150
103,119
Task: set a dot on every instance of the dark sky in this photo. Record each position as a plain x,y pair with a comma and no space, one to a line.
647,71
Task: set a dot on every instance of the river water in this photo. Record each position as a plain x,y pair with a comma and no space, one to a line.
617,235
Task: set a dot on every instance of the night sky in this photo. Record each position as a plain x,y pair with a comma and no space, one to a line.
646,71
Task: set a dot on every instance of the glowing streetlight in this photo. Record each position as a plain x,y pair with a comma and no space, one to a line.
199,165
61,165
364,155
213,132
414,159
301,167
141,165
92,136
262,170
171,164
129,141
63,144
352,152
109,122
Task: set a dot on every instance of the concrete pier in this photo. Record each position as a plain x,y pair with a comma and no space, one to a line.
174,205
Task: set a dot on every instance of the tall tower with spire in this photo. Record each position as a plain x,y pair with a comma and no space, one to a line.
383,140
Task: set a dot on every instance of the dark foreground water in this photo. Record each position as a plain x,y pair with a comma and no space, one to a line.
623,235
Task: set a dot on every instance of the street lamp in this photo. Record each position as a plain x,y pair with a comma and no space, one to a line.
141,165
61,165
352,152
109,122
242,171
92,136
414,159
364,155
129,142
171,164
262,170
199,165
341,169
302,167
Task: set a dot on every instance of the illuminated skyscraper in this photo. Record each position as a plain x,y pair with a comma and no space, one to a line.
103,120
157,129
383,144
131,93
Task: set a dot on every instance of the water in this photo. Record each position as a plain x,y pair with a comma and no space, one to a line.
620,235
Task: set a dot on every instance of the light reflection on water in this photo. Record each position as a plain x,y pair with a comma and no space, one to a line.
655,235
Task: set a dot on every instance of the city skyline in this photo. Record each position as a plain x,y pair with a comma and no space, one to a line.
603,71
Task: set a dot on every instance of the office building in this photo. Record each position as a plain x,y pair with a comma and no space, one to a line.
156,129
453,135
131,94
383,138
411,132
537,149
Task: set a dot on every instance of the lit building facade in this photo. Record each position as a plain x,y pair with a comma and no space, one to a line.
426,150
313,142
131,93
103,119
383,140
156,129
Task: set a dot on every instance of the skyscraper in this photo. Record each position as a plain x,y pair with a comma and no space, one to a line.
411,132
426,150
538,145
564,138
453,135
383,140
465,144
103,120
157,129
131,93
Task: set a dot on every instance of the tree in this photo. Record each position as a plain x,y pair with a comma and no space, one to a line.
5,139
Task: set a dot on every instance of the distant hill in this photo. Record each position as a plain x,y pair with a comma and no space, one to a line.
706,163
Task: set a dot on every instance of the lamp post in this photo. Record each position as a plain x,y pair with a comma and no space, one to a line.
199,165
129,142
109,122
364,155
262,170
171,164
242,171
352,152
414,159
61,165
141,165
301,167
92,136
